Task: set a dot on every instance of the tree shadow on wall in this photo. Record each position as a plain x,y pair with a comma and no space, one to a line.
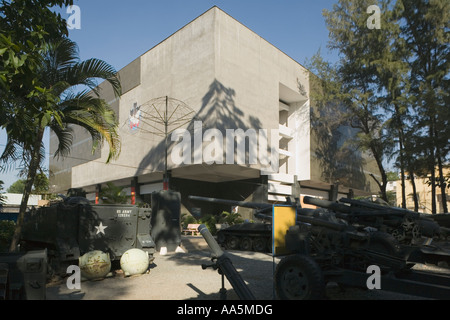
218,111
340,161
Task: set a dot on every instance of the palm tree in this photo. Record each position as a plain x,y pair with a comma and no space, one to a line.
2,197
59,104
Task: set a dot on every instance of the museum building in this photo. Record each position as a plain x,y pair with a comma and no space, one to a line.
213,110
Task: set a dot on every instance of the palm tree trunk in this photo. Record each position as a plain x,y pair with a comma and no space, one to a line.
32,169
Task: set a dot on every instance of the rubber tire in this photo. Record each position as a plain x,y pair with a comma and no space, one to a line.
303,272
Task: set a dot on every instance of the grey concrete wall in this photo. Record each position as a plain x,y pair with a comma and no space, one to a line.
230,78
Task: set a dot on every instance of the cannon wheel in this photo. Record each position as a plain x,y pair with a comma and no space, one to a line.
299,277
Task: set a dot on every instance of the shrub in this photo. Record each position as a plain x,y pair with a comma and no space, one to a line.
6,233
210,222
230,218
187,219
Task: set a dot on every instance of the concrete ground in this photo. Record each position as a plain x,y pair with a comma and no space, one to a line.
179,276
176,276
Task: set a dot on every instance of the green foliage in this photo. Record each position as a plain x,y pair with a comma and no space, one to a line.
391,85
40,185
6,233
209,221
392,176
113,194
2,197
230,218
39,72
26,25
392,198
187,219
17,187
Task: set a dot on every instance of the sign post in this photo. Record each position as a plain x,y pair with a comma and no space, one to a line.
283,218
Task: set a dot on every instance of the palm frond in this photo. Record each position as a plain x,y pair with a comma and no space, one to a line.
86,72
96,116
65,138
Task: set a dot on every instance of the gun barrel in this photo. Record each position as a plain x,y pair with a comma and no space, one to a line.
373,206
322,223
213,245
253,205
327,204
226,266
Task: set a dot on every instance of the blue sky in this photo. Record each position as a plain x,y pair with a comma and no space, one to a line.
119,32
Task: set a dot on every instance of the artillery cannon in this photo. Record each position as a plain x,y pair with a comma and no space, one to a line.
336,252
258,236
323,247
411,229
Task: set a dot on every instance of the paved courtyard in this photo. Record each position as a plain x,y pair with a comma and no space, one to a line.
179,276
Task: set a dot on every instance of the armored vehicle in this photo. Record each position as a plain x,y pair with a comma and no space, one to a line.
73,227
245,236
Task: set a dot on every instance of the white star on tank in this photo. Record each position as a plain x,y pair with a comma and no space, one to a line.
101,228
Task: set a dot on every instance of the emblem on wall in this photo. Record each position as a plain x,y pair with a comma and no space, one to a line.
135,117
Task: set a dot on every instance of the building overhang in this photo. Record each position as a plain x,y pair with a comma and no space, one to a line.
215,173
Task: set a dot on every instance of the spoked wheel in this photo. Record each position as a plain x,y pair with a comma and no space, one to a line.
246,244
260,244
299,277
232,243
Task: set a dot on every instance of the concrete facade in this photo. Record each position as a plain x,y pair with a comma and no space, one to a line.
229,78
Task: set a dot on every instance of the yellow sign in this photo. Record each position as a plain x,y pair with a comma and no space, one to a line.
283,217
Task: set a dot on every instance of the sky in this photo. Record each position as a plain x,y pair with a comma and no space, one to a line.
120,31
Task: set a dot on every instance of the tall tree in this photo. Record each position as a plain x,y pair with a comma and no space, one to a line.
25,25
426,30
359,72
392,78
17,187
59,106
341,162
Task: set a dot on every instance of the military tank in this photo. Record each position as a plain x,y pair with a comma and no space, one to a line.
73,227
245,236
